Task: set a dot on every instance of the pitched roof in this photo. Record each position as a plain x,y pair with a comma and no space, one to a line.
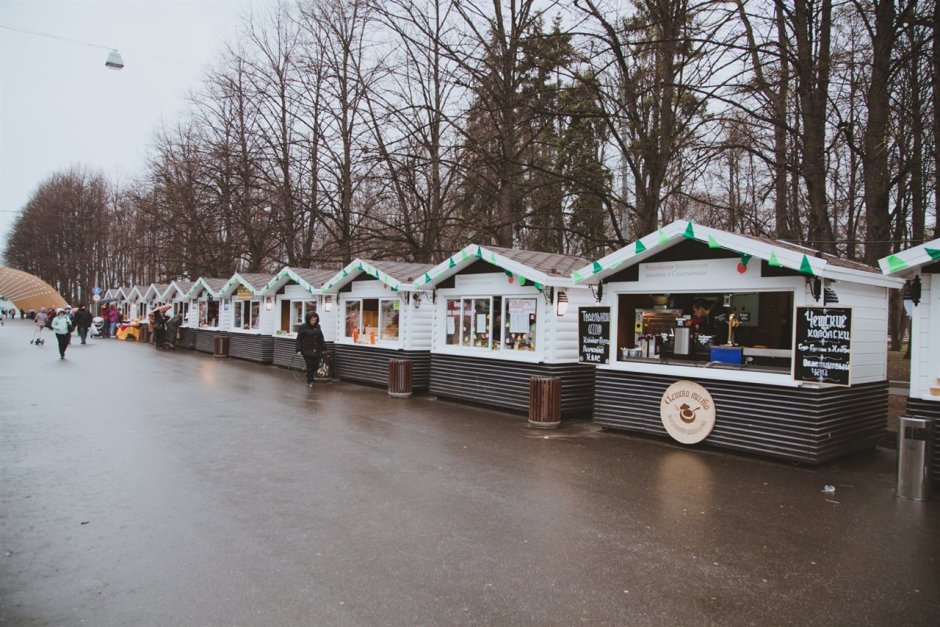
775,253
536,267
396,274
911,259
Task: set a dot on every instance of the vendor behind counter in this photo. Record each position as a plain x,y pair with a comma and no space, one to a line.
763,321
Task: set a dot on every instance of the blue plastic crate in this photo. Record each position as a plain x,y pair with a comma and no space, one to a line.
727,355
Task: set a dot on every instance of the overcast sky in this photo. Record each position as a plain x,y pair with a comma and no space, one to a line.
60,106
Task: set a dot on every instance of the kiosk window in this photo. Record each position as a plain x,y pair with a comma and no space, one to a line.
365,318
299,311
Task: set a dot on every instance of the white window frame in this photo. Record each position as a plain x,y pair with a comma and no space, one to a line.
497,338
363,337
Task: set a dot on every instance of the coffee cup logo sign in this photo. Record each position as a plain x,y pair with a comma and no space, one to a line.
688,412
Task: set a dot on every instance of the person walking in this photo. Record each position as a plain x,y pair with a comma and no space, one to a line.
40,322
82,321
63,331
114,317
172,328
159,328
311,345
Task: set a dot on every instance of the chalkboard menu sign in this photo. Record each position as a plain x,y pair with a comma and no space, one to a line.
822,344
594,335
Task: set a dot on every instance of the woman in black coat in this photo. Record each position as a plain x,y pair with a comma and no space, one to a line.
311,345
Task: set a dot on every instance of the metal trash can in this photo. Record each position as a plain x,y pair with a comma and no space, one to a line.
913,458
544,402
399,378
220,346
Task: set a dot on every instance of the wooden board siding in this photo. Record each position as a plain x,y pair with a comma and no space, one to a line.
205,340
284,351
259,348
504,384
920,408
187,338
797,424
369,364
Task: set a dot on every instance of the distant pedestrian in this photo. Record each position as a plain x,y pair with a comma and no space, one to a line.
311,345
63,331
114,316
159,328
40,322
82,322
172,328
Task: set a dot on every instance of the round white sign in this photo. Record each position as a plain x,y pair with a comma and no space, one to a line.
687,411
96,298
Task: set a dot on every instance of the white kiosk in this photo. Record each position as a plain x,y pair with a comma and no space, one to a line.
242,314
742,343
920,265
207,311
295,293
502,316
377,321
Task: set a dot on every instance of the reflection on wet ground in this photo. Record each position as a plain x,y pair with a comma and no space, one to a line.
143,487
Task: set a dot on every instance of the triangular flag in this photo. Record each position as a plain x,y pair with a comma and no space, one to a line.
538,286
596,267
493,257
639,247
712,242
427,277
576,277
663,239
896,264
745,258
345,274
394,288
451,264
689,232
933,252
805,268
522,280
507,272
360,266
479,252
773,261
463,255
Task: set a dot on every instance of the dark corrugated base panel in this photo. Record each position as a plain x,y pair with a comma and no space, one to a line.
259,348
284,351
929,409
205,340
505,384
187,338
369,364
796,424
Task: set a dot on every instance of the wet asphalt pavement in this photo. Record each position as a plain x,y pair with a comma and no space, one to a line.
151,488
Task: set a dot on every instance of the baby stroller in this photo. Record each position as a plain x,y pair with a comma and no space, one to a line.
97,326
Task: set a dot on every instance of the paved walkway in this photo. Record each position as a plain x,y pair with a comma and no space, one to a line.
150,488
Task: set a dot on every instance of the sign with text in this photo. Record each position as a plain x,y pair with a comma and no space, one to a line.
594,335
822,345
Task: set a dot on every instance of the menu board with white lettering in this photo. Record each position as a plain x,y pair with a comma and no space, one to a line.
822,345
594,335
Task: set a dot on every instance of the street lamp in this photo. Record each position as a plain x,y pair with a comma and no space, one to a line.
114,62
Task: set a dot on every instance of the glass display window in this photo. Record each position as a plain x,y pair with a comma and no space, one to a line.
371,319
388,318
493,323
299,311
